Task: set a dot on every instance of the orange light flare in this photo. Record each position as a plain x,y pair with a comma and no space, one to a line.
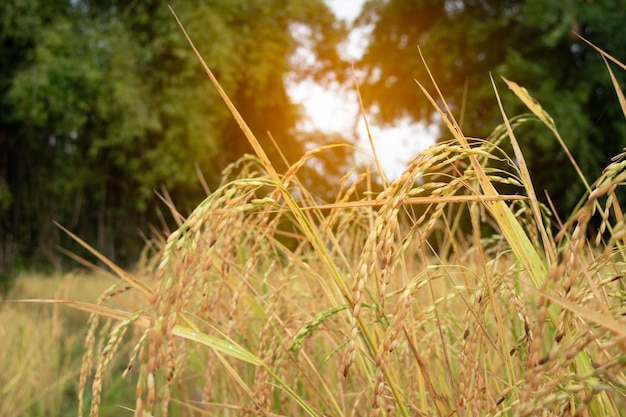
332,108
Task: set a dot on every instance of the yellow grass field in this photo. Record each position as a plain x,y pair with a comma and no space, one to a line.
42,346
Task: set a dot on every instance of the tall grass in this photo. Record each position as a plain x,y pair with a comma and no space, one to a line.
41,347
264,302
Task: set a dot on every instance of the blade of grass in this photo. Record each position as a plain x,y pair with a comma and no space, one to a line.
228,347
616,86
527,181
586,313
383,177
138,285
89,265
538,111
618,90
604,54
419,200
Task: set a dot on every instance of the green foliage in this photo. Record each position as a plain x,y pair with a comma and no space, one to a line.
530,42
102,103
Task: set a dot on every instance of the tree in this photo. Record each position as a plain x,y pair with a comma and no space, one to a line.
104,102
528,41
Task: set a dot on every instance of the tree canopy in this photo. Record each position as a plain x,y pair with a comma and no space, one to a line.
531,42
102,103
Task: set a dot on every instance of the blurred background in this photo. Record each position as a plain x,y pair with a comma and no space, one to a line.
103,103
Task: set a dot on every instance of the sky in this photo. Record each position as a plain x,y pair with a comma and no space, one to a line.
332,109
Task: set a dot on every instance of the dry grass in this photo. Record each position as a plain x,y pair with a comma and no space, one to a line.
42,346
266,303
242,323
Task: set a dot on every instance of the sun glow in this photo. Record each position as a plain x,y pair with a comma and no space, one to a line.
334,108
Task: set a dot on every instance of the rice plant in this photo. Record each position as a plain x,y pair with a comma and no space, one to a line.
439,296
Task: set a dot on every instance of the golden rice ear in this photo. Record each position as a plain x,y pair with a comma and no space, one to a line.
534,106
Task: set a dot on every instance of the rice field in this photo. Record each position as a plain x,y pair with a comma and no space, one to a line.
439,296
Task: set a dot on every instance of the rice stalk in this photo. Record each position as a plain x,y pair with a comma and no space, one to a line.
438,296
